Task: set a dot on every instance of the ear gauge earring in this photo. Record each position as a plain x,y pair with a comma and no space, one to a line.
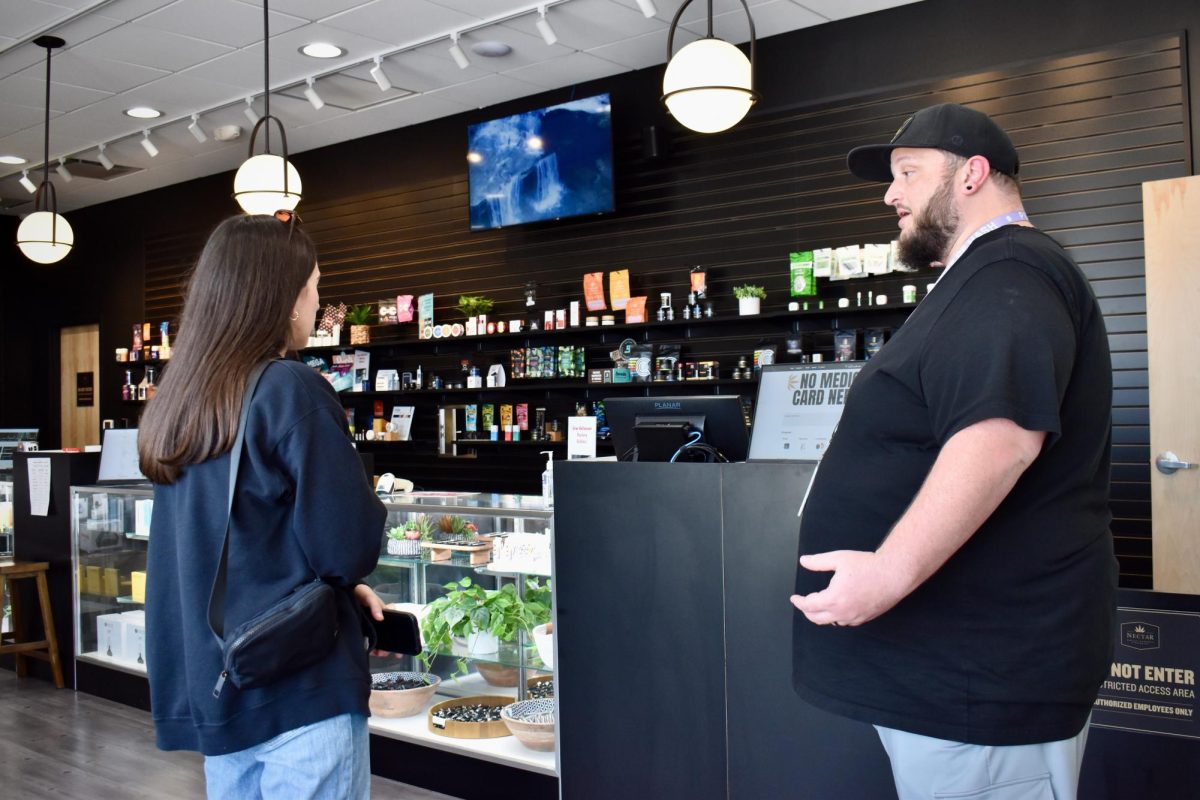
969,187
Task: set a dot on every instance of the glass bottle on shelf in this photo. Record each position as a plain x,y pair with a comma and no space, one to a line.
143,386
127,389
151,377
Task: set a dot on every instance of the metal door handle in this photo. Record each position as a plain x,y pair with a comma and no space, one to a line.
1168,463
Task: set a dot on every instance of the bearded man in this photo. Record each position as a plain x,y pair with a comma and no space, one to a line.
957,581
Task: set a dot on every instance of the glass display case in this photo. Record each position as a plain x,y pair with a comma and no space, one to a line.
110,529
508,537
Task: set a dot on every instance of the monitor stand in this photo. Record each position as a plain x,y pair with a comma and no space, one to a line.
659,440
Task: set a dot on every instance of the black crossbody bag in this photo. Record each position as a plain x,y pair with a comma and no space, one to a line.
293,633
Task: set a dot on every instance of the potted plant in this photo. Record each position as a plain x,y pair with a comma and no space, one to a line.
405,540
750,298
484,617
456,530
537,598
358,317
472,305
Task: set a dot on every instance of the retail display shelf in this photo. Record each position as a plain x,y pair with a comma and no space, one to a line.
504,750
128,600
830,310
96,657
138,537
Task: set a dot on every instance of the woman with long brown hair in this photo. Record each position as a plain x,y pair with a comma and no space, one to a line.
303,509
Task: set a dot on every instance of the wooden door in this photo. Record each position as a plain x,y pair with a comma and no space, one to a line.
1172,225
79,377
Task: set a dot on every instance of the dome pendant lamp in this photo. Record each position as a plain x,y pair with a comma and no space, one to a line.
709,84
267,183
45,236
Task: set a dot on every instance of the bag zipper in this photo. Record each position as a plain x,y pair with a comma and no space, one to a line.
233,647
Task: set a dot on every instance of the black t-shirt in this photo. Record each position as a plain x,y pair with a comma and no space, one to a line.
1008,642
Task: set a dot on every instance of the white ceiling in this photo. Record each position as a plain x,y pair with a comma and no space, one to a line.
205,56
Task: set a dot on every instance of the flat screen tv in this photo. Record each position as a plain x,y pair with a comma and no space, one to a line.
549,163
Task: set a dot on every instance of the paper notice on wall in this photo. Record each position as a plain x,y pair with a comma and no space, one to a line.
39,487
581,437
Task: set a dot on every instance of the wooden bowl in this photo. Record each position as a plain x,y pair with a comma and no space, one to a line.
497,674
468,730
532,722
402,702
537,680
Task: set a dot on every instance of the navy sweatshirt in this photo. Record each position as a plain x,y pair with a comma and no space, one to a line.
303,507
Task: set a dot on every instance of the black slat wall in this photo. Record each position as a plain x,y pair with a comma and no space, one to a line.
1090,129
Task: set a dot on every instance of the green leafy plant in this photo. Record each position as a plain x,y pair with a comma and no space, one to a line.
537,600
467,608
747,290
457,527
359,315
418,527
472,305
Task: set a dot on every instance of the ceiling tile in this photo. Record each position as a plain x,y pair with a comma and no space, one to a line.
23,18
312,10
417,19
225,22
84,28
488,91
95,73
27,91
483,9
347,93
182,94
15,59
18,118
428,68
842,9
584,24
566,70
636,52
526,48
133,44
286,46
244,69
132,9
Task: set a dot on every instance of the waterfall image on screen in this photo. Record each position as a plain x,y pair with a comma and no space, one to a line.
544,164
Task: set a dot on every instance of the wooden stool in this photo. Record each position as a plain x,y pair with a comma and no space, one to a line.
45,649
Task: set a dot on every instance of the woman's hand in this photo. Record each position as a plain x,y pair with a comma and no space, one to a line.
369,600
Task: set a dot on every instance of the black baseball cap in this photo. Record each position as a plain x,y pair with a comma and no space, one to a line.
949,126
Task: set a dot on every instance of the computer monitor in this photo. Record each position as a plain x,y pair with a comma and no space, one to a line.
655,428
10,441
798,408
119,457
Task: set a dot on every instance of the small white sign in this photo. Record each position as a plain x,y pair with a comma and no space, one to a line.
402,418
39,487
581,437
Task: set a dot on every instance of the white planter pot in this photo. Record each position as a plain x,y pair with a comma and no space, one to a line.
748,306
404,547
543,638
481,643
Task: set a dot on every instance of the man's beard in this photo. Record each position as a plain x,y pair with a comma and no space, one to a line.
931,232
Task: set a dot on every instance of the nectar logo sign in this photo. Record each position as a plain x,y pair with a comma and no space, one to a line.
1140,635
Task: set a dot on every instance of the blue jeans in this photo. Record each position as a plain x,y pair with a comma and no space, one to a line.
327,760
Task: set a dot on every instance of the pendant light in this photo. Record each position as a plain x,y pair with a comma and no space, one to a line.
45,236
709,84
267,183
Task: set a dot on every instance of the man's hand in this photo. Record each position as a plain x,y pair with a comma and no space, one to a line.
864,585
369,600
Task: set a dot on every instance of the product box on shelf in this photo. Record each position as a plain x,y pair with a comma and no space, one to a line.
110,635
134,636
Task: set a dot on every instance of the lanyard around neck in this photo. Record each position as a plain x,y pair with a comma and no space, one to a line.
1011,218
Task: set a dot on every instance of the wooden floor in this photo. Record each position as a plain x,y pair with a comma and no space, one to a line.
57,744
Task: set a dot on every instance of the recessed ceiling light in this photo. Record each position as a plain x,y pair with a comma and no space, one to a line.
11,160
143,112
491,49
322,50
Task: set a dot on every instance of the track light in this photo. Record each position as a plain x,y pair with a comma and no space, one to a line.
104,160
196,131
28,184
457,53
647,7
148,145
63,172
379,75
314,99
249,111
543,26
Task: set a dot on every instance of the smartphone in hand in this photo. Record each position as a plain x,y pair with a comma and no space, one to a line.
398,632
